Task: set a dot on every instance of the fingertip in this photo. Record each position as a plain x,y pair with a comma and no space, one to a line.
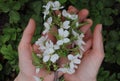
86,27
89,21
97,38
31,23
99,26
72,9
28,32
83,14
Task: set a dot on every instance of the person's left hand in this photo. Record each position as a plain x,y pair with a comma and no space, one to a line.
27,69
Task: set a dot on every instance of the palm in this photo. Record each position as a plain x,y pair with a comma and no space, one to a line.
91,61
25,55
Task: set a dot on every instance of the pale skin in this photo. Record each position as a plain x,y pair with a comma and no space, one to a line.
91,61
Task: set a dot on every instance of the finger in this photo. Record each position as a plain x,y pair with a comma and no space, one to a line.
88,35
97,39
88,45
28,32
86,27
72,9
83,14
25,50
35,49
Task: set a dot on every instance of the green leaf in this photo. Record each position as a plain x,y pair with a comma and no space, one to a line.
9,30
100,5
14,17
16,5
36,6
73,1
36,59
62,1
13,36
5,38
4,8
108,20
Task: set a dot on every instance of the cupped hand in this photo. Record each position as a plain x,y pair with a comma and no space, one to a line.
27,69
94,52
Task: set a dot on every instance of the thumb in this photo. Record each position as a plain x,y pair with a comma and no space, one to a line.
97,39
28,32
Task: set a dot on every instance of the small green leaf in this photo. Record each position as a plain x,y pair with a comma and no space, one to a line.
36,59
5,38
73,1
14,17
62,1
100,5
16,6
4,8
13,36
36,6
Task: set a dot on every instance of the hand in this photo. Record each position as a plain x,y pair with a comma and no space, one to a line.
94,52
27,69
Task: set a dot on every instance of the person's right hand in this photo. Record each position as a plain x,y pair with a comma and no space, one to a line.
93,55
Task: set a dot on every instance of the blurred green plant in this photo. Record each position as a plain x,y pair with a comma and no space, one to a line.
18,12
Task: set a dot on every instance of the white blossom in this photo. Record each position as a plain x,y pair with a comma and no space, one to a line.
60,42
47,7
56,47
80,42
56,5
67,70
37,78
66,24
74,60
49,52
68,15
46,12
40,43
47,25
63,33
46,58
54,58
37,70
63,36
77,24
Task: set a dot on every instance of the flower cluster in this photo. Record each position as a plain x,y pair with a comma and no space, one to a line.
68,40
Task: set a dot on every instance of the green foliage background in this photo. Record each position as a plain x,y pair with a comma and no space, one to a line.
14,15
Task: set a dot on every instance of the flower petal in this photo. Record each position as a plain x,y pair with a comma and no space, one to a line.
36,78
54,58
37,70
66,33
46,58
60,42
70,57
66,40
